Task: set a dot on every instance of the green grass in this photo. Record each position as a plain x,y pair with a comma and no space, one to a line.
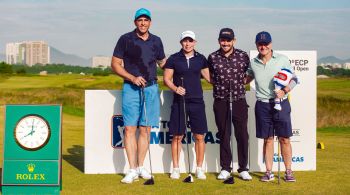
335,87
333,102
331,177
61,81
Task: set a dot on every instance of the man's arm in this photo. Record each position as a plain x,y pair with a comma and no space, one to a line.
168,81
248,79
161,63
293,82
118,68
211,70
205,74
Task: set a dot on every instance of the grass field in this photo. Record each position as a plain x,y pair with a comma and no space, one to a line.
331,177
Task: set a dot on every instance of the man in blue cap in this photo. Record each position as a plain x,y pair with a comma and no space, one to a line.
135,59
269,121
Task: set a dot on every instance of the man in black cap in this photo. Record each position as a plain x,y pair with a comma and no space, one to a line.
227,67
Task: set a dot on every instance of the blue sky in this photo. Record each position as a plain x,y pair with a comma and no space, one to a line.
89,27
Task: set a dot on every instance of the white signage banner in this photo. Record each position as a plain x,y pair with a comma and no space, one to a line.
104,152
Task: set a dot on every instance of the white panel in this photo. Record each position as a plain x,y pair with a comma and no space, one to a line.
101,105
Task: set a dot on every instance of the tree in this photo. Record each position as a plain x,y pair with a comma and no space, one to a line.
5,68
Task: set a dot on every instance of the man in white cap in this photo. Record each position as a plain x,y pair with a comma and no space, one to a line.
182,74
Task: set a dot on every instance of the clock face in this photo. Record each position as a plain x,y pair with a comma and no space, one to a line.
32,132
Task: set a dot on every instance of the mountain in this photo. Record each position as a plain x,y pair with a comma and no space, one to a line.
2,57
58,57
332,59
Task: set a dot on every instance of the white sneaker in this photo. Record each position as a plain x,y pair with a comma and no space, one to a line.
200,173
130,176
245,175
223,175
143,173
175,174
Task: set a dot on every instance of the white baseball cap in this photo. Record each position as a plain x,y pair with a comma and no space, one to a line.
189,34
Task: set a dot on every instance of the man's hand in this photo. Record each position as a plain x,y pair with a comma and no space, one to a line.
180,90
279,93
247,79
139,81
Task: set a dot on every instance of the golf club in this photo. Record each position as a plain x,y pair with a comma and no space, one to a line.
231,179
189,178
151,180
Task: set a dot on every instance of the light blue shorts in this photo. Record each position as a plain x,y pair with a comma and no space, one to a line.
133,106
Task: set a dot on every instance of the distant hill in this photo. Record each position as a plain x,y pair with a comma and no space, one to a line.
2,57
332,59
58,57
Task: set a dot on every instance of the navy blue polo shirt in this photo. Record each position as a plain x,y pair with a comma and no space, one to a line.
191,73
140,56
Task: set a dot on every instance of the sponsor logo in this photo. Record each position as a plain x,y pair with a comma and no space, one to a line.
31,175
118,131
296,132
295,159
31,167
166,138
300,65
156,137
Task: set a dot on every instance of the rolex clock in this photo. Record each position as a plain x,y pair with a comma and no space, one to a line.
32,132
32,162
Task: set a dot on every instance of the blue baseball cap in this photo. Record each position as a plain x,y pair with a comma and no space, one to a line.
263,37
142,12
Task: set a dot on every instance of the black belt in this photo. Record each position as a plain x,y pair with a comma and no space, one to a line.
234,98
149,83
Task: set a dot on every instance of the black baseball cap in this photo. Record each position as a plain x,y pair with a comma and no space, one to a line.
226,33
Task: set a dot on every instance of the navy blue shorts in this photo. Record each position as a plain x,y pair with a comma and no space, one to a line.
271,122
195,110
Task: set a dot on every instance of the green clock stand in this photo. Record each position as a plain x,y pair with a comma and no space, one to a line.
32,150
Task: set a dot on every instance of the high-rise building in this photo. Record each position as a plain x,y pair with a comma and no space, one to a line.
14,53
101,61
346,65
28,52
36,52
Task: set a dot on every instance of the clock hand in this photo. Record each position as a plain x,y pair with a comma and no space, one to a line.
32,131
33,125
